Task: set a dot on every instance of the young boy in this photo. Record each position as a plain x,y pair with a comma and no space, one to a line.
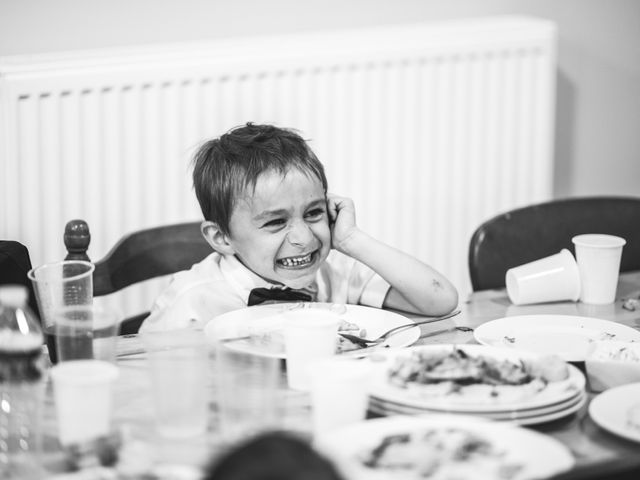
278,235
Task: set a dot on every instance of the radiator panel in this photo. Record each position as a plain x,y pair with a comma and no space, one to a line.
431,129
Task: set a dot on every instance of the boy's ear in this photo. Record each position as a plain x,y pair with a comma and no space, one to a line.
214,237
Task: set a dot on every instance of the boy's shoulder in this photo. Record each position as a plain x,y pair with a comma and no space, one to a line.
206,269
199,293
216,271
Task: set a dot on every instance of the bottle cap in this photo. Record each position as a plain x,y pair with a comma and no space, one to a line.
13,295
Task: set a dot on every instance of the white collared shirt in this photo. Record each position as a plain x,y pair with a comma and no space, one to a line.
219,284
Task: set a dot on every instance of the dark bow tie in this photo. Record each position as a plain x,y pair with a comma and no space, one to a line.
261,295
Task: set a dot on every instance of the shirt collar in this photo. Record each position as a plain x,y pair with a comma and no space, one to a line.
243,280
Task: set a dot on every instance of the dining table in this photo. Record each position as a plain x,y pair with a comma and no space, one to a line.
597,452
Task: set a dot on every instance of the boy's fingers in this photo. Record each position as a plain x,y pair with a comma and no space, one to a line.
336,204
333,206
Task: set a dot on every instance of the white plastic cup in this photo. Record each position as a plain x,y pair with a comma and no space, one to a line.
598,258
549,279
339,392
308,335
83,392
178,367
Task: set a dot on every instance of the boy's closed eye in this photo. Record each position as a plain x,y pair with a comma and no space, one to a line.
315,214
274,223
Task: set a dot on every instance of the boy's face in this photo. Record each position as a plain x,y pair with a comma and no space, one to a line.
281,232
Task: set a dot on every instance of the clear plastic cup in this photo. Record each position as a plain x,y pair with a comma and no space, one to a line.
84,332
178,366
247,393
58,285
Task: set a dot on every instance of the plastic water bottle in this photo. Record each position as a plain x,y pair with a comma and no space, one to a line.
21,386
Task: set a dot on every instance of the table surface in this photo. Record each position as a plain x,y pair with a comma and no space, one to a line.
594,449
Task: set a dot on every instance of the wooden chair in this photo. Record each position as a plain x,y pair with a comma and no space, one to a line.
15,263
137,257
526,234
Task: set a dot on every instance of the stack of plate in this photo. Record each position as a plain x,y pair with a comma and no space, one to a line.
553,401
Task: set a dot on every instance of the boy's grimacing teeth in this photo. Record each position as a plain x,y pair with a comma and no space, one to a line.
300,261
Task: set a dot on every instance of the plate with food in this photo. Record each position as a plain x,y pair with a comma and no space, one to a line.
442,446
473,379
259,329
617,410
566,335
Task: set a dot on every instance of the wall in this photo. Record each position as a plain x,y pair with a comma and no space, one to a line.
598,105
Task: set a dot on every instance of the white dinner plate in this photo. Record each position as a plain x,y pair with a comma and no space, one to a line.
568,336
612,410
496,415
519,417
527,454
263,324
472,399
498,410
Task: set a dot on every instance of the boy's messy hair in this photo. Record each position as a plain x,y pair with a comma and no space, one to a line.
272,455
226,167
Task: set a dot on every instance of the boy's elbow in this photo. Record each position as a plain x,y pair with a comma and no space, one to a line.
452,301
435,301
445,302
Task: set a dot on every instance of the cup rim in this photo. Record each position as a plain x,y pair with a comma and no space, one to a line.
598,240
31,274
103,372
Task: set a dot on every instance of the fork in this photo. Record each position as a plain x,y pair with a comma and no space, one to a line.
367,342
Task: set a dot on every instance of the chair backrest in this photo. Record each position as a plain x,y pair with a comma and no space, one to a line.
15,263
529,233
137,257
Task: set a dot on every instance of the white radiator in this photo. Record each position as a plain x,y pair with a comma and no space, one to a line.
431,128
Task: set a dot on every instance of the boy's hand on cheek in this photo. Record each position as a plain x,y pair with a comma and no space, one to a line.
342,216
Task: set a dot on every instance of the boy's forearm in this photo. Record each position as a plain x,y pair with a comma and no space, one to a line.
415,286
